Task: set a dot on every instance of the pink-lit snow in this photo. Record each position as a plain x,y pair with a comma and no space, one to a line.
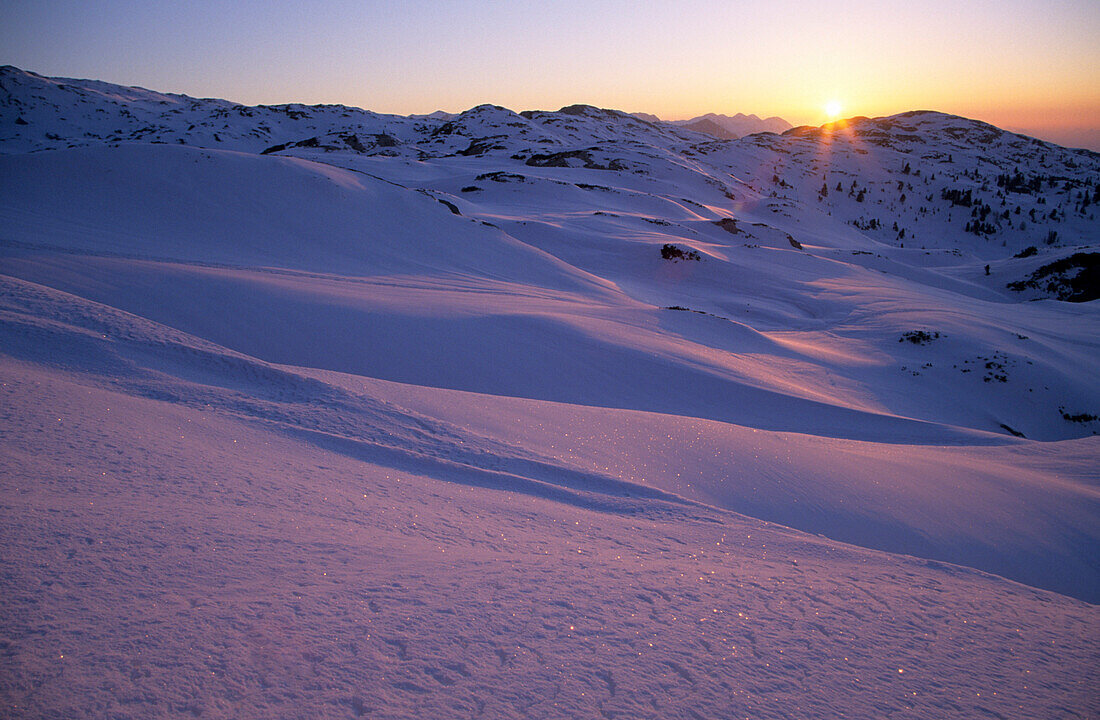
384,433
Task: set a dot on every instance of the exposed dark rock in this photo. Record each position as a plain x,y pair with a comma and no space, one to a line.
1078,417
501,177
561,159
671,252
919,337
447,128
450,206
480,146
729,225
353,142
1073,279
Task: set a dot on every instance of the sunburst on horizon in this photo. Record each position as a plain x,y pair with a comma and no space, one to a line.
833,108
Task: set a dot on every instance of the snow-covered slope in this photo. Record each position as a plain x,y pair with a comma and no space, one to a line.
541,414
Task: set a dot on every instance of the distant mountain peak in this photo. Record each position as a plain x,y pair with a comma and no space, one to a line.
949,133
708,126
725,127
437,115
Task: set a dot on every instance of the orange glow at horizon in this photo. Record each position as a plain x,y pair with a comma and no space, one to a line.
1017,64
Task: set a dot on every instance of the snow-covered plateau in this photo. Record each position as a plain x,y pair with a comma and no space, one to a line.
312,412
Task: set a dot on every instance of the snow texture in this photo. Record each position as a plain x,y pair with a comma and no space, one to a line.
312,412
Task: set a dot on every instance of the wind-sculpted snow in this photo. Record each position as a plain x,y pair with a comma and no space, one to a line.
219,550
313,412
216,207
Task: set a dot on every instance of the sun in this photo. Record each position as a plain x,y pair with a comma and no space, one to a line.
833,109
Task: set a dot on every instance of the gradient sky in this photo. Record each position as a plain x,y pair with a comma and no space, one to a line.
1029,66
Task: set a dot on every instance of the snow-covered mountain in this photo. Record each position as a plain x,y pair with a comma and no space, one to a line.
309,410
40,113
725,127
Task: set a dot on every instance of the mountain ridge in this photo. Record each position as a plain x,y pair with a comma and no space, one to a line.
555,414
726,127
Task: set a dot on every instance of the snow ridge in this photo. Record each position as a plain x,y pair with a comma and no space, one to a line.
308,410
